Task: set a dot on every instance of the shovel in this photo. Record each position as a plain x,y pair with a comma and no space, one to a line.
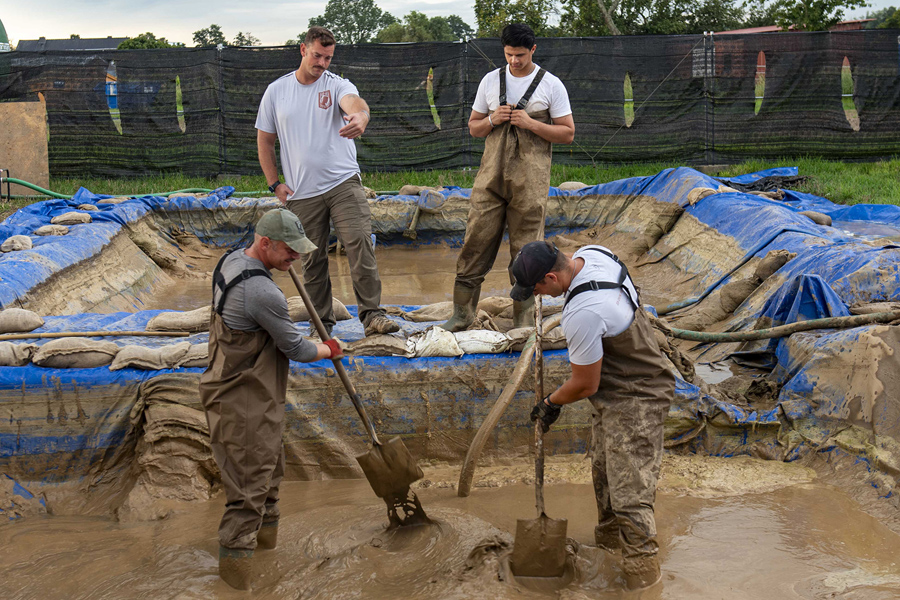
390,468
540,546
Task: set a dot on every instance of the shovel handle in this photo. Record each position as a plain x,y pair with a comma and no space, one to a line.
539,394
338,364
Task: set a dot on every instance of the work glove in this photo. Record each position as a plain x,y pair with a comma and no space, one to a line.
334,347
547,413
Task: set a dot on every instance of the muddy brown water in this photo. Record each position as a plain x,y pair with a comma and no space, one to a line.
409,275
803,539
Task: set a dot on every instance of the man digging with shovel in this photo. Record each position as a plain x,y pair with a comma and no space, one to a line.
617,365
251,339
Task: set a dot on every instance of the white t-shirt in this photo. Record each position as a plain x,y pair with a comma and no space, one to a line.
596,314
307,118
549,94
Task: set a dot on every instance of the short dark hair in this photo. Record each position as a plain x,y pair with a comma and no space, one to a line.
518,35
320,34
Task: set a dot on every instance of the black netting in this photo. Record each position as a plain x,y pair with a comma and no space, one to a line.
694,101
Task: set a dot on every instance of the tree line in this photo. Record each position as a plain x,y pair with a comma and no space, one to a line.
362,21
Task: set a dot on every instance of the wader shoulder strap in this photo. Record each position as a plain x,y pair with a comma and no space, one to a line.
223,286
523,101
605,285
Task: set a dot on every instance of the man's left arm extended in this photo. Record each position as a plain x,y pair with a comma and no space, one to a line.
584,382
560,131
356,114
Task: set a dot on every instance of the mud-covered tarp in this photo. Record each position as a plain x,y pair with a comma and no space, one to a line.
685,236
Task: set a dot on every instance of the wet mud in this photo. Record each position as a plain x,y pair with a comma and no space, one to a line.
754,530
409,276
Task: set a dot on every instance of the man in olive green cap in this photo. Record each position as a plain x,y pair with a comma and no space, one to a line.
251,342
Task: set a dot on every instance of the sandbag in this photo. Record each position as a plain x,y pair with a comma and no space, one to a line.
434,341
16,243
482,341
554,339
197,356
87,207
134,356
439,311
75,353
771,262
817,217
71,218
414,190
297,310
17,320
495,305
16,355
51,230
193,320
381,344
572,185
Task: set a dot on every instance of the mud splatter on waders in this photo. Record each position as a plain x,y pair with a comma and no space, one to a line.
629,410
243,394
510,190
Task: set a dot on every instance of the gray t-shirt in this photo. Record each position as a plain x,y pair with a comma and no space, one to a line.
258,303
594,315
307,119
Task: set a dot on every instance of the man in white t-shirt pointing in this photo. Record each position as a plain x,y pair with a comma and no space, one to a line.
316,115
616,364
521,109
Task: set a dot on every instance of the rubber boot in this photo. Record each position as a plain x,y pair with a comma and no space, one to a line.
523,313
641,572
235,567
607,537
267,538
465,306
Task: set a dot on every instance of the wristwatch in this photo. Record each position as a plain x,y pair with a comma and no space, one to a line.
274,186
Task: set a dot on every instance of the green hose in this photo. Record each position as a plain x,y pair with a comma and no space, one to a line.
786,330
34,187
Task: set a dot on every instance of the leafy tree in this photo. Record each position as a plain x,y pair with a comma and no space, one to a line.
352,21
245,39
146,41
492,16
714,15
74,36
618,17
459,28
758,13
209,36
417,27
812,15
889,18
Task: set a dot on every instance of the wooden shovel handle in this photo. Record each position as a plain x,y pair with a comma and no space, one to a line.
338,364
467,472
539,397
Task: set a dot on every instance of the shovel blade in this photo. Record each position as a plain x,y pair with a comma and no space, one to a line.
390,468
540,547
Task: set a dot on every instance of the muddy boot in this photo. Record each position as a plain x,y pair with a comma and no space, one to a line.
267,538
607,537
234,567
465,307
641,571
523,313
380,323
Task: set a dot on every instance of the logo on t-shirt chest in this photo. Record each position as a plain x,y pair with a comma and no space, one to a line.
325,99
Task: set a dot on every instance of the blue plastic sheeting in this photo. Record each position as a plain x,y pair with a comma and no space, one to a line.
751,177
19,494
21,271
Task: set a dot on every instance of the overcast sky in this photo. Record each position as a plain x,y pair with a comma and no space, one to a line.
272,22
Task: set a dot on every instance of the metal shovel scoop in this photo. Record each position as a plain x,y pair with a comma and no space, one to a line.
540,546
390,468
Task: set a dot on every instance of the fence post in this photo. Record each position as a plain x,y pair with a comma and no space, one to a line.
709,87
220,73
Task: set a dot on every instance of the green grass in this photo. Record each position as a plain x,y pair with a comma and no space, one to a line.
844,183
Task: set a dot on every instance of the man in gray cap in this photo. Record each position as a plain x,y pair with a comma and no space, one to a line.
251,339
617,365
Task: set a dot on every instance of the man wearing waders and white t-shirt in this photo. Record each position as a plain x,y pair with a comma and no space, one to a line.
616,364
316,115
251,338
521,109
